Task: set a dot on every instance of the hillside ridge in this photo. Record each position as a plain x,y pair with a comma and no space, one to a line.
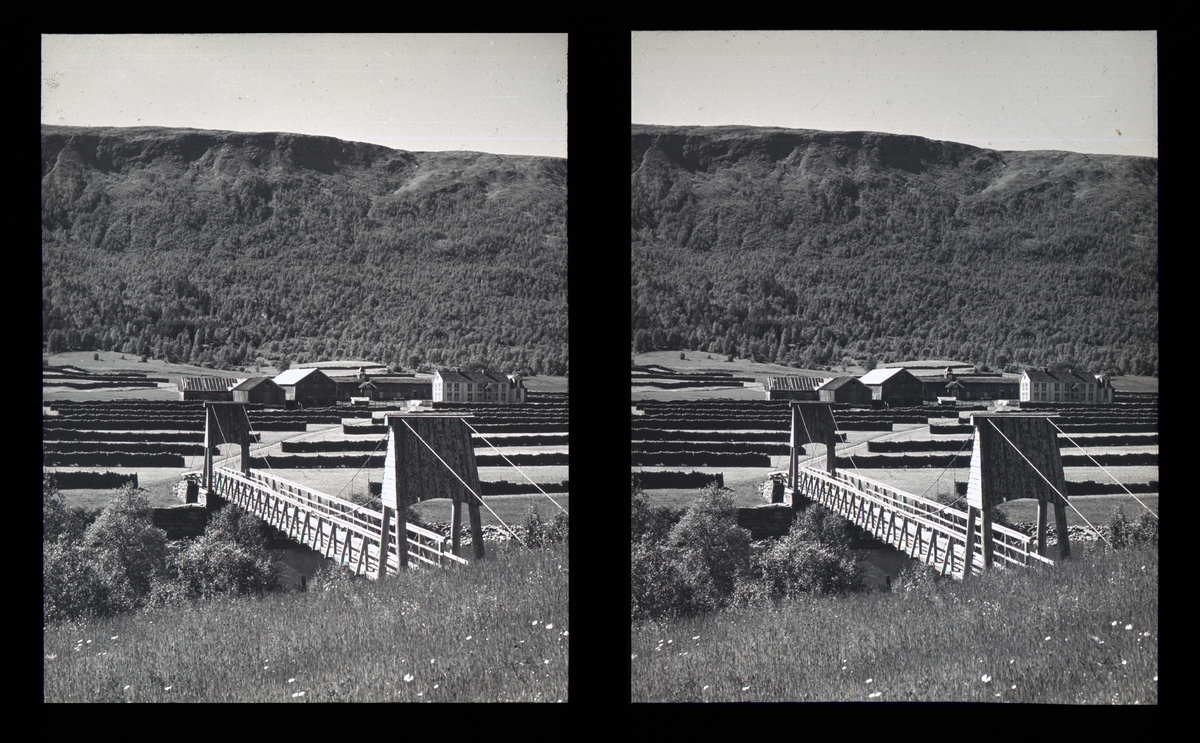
177,242
808,246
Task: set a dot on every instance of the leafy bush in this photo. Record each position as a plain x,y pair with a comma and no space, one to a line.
812,558
129,550
797,565
1122,533
650,523
1118,529
1145,531
71,584
103,567
231,557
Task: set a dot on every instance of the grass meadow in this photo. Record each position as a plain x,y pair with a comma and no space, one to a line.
495,631
1083,632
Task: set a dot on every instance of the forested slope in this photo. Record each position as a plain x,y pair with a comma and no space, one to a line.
223,247
808,246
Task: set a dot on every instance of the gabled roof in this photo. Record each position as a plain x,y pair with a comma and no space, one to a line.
474,377
253,382
838,382
879,376
292,376
795,384
1036,375
207,384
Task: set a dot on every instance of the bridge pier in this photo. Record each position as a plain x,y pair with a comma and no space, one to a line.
431,456
1016,456
812,423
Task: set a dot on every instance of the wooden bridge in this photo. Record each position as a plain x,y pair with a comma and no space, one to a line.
925,530
348,533
1015,456
428,456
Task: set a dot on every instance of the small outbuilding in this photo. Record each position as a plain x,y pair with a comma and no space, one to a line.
794,388
260,390
896,387
216,389
845,390
308,387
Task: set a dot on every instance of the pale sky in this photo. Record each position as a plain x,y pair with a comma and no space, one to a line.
1083,91
499,93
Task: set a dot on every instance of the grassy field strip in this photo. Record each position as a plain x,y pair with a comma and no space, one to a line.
498,631
1082,632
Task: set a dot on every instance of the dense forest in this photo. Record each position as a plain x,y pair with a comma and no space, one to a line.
810,248
228,249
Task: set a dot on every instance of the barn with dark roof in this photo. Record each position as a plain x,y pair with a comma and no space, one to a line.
794,388
846,390
260,390
217,389
896,386
308,387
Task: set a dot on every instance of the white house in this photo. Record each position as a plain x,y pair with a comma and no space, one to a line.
1068,386
458,386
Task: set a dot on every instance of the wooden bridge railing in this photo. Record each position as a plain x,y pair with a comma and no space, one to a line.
926,530
338,529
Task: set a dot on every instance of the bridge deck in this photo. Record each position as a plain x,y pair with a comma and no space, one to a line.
925,530
340,530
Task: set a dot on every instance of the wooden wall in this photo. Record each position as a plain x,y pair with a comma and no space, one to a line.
421,475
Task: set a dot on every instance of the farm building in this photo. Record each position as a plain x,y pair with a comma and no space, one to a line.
308,387
396,388
845,389
1068,386
894,387
383,386
484,386
794,388
207,388
260,390
982,388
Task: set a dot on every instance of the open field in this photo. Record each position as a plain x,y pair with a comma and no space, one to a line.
112,361
1083,632
496,631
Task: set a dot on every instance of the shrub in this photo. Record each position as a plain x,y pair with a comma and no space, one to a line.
822,527
713,551
129,550
795,567
686,565
650,523
559,529
1118,529
1145,531
97,565
231,557
72,586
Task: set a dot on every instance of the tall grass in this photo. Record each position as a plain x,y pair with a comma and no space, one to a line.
494,631
1085,631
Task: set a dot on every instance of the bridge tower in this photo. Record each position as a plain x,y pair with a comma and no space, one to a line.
812,423
429,455
1015,456
224,423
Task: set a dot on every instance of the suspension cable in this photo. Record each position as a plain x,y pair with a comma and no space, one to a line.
265,459
1089,456
1060,495
464,483
364,464
518,469
952,460
836,430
